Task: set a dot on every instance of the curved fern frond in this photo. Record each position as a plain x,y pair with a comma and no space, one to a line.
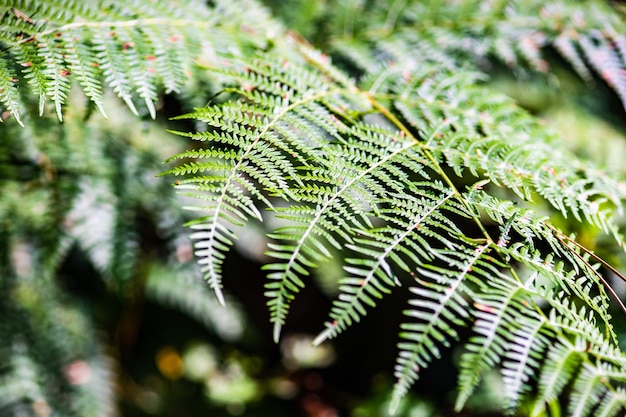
441,308
562,361
370,168
413,169
499,313
370,278
497,141
588,35
136,50
591,387
522,359
611,403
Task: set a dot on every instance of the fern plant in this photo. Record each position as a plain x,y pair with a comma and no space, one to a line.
408,166
371,172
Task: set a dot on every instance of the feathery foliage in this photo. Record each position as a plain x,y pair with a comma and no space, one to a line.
393,152
369,168
133,47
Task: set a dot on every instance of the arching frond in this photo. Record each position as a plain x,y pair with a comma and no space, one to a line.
586,34
135,49
500,312
369,168
441,307
400,159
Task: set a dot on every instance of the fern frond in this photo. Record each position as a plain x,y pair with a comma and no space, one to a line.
408,164
514,33
562,361
135,49
230,195
611,403
606,58
365,167
27,55
481,141
371,275
83,65
597,383
591,386
522,359
137,54
341,207
9,94
55,72
441,308
110,61
500,312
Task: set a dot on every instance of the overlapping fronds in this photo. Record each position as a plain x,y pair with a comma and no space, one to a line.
408,166
374,169
519,34
134,47
71,197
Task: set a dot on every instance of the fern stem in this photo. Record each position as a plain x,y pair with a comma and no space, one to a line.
555,408
564,240
322,210
127,23
587,251
402,127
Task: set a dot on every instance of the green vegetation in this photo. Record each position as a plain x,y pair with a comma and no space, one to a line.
442,180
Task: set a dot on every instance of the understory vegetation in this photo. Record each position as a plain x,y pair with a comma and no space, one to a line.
312,208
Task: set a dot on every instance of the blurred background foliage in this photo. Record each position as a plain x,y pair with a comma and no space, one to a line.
115,273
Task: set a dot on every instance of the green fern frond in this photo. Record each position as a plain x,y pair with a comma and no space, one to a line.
514,33
55,73
343,207
27,55
137,56
230,189
522,359
371,275
106,51
135,49
83,65
591,386
408,164
9,93
611,403
501,311
365,168
562,361
499,142
441,308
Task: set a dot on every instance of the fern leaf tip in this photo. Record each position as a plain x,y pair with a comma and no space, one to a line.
102,112
321,338
220,297
394,405
277,330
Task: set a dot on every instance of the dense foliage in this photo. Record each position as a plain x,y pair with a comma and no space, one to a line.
376,162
